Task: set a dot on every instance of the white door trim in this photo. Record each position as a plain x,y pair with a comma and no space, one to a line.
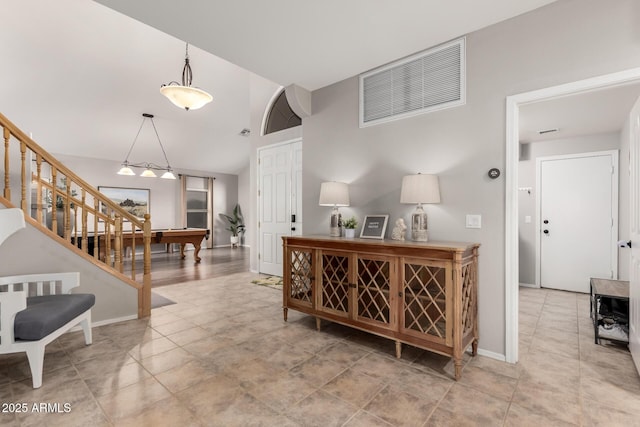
614,212
511,186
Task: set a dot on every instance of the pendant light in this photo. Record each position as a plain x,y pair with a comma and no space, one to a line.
185,96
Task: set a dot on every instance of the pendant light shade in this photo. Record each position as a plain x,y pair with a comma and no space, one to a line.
148,173
183,95
189,98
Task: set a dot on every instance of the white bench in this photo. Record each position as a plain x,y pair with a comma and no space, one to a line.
36,309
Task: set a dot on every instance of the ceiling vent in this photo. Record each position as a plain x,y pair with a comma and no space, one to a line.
427,81
545,131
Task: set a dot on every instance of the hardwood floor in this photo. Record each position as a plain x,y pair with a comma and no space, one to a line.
169,269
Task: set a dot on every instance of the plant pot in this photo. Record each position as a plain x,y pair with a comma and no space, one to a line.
234,241
60,222
349,233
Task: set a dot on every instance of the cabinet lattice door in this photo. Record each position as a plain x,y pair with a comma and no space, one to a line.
301,288
425,292
334,288
374,290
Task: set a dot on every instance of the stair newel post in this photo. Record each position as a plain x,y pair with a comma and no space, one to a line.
117,243
7,188
23,174
146,278
39,188
66,217
133,250
96,236
85,237
54,199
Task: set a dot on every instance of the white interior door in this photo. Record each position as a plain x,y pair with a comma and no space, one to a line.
634,264
578,219
279,201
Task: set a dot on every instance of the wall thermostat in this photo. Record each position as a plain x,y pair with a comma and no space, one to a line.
493,173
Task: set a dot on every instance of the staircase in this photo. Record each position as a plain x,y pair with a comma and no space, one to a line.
58,202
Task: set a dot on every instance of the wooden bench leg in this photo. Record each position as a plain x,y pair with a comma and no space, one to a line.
86,329
35,355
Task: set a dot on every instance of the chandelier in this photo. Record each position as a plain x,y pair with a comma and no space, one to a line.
148,167
185,96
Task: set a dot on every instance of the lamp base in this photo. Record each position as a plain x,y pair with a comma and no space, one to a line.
419,225
335,227
419,235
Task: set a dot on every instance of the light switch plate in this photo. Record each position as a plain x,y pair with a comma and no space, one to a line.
527,219
474,221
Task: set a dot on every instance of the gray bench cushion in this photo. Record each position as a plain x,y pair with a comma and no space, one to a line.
45,314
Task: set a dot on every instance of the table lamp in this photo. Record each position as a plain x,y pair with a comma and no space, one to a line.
420,189
334,194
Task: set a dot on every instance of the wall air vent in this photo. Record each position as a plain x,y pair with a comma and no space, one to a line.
427,81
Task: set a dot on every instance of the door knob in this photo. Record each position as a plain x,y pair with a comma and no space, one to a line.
545,231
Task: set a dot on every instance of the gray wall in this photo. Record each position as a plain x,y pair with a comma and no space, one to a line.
566,41
527,202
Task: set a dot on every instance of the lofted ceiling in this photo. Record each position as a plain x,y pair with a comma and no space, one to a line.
588,113
78,75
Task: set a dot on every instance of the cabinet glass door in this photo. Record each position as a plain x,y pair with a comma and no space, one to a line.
301,283
424,299
334,287
374,290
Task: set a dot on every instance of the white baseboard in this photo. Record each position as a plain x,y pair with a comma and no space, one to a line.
489,354
529,285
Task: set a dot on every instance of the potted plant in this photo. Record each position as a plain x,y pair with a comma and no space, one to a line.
349,226
235,225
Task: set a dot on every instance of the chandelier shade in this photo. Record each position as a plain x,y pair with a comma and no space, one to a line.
189,98
184,95
149,168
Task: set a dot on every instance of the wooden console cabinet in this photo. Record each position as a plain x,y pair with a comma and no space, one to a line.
422,294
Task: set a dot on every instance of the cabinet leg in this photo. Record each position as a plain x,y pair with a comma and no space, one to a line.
474,347
285,312
398,349
318,321
458,368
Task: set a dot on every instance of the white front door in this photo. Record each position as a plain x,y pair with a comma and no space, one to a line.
634,264
578,219
279,201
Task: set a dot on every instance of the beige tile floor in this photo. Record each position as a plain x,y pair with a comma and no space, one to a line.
222,356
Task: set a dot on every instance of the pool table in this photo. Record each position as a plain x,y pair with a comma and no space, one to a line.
174,235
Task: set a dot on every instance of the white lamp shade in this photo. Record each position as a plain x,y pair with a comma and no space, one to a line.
148,173
168,175
334,194
126,170
187,97
420,189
